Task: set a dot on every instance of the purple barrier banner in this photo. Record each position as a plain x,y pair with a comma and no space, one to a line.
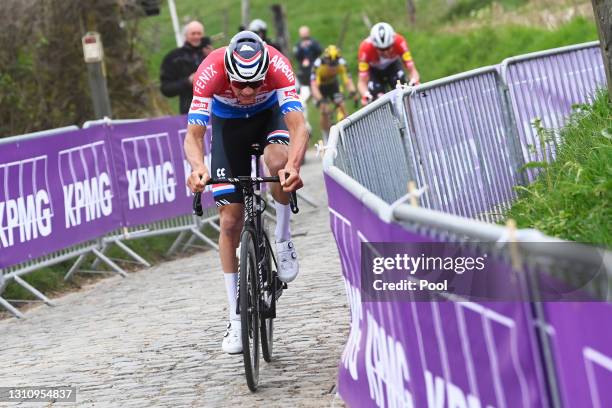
151,170
546,88
581,335
427,354
55,192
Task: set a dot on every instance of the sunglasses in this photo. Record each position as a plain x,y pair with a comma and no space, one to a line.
330,62
252,85
385,49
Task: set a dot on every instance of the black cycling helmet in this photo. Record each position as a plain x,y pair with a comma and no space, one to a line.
246,58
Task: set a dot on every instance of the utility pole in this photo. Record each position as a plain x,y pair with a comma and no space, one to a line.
411,9
603,17
175,23
93,54
246,11
280,22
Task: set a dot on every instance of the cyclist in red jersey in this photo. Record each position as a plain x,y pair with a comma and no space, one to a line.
382,58
246,92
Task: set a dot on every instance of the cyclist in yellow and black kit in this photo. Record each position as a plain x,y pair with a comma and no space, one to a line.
326,87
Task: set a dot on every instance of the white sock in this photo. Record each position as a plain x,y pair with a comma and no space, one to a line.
230,287
282,222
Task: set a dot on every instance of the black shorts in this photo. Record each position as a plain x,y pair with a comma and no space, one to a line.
231,148
331,92
384,80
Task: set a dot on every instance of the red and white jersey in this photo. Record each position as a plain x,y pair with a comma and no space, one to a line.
368,55
212,92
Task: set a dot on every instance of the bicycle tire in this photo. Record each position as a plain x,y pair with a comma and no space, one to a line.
267,324
249,308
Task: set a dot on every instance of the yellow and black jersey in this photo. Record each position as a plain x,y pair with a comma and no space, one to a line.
324,74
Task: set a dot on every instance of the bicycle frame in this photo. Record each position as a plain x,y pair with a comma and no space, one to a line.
254,206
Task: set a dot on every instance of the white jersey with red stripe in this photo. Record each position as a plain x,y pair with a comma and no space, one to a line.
212,92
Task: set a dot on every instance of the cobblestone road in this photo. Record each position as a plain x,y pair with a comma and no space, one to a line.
154,338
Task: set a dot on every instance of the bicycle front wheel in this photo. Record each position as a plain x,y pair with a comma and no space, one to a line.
267,321
249,308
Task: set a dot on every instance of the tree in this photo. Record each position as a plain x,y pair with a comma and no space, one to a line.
411,9
43,77
603,17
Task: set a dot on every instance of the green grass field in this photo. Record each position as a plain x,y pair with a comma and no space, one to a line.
571,197
436,53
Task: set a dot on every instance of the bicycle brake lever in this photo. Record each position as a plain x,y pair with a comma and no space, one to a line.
197,204
293,202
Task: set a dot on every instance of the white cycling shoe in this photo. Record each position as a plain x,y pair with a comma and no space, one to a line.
286,256
232,339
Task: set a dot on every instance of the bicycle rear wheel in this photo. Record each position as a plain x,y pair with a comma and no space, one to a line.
249,308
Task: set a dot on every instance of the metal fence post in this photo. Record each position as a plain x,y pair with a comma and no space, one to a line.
512,135
543,339
404,128
94,58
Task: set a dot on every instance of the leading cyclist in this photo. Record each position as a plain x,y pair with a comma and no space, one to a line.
382,57
246,92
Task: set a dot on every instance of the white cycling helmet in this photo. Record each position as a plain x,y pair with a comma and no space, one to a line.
258,25
246,58
382,35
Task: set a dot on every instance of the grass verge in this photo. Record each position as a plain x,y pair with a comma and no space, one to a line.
571,198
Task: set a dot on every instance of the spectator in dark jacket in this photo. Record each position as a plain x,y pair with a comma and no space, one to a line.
180,64
306,51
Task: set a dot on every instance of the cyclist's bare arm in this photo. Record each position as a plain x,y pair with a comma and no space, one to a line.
413,74
362,84
194,152
298,141
316,91
350,86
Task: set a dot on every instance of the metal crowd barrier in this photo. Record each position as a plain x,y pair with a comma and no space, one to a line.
462,143
359,153
15,272
189,228
184,225
467,138
545,85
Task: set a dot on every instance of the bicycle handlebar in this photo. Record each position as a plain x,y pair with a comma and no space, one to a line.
197,197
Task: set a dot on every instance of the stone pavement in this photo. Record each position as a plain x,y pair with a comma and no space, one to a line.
154,338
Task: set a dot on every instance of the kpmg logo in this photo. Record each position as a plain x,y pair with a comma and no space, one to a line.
151,185
86,184
25,203
149,170
386,367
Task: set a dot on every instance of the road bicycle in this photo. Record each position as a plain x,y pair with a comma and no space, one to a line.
258,284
